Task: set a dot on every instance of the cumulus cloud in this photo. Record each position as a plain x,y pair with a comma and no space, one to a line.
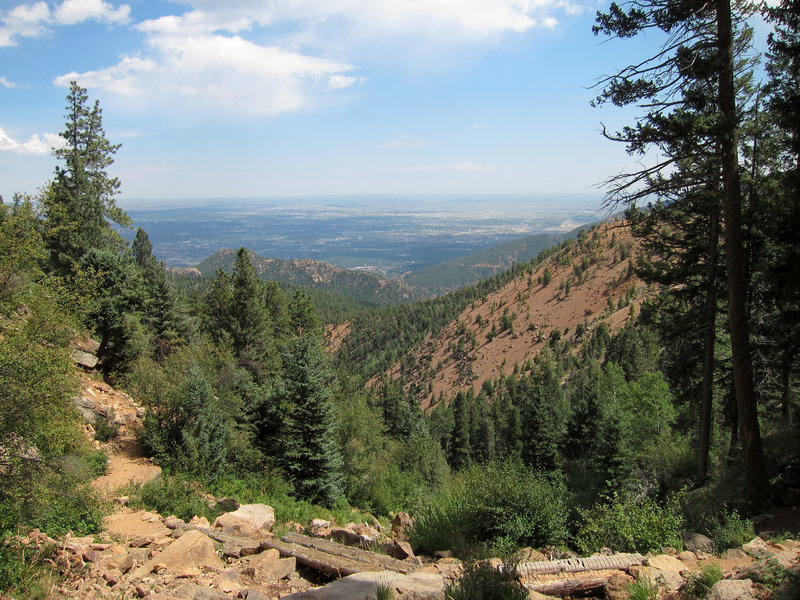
197,61
33,20
473,16
6,83
35,145
77,11
25,20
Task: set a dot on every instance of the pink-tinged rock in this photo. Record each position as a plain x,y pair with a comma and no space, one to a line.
193,550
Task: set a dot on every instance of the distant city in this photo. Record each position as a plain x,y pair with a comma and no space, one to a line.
386,234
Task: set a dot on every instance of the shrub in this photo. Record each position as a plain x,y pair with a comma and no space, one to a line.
630,525
106,429
729,530
22,571
481,581
172,495
699,585
495,506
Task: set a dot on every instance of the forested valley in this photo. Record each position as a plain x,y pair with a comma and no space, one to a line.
664,402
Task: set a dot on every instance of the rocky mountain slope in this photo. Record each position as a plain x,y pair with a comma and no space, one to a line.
359,285
572,291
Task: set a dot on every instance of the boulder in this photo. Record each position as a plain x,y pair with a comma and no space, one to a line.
694,541
755,547
399,549
732,589
87,360
348,537
530,555
273,570
192,591
120,562
417,585
319,528
249,520
617,586
401,524
190,552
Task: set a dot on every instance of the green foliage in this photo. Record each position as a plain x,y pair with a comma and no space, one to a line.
729,530
105,429
481,581
23,573
497,504
309,455
698,586
79,204
627,524
643,589
172,495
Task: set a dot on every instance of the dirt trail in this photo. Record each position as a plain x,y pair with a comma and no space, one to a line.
127,462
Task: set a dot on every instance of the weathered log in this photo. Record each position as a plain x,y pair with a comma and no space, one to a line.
615,562
572,586
386,563
324,562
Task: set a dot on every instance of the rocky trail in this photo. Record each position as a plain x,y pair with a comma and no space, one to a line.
142,554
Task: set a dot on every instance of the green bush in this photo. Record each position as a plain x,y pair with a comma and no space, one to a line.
22,570
497,506
628,524
172,495
481,581
700,584
729,530
106,429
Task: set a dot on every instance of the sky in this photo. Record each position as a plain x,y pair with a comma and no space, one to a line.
259,98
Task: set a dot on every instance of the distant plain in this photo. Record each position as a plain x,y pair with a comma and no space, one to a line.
390,234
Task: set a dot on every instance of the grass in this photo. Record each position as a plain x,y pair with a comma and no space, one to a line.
643,589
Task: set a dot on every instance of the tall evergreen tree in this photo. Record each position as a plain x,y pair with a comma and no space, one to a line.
691,127
310,456
79,204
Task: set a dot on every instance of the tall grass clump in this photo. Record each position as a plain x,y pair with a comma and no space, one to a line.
482,581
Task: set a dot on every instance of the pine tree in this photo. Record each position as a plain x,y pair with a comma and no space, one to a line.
310,456
694,130
79,203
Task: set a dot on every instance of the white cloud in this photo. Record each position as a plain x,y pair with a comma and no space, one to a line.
122,78
6,83
25,20
35,145
473,16
404,141
77,11
33,20
194,64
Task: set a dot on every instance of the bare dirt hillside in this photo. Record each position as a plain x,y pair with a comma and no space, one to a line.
588,282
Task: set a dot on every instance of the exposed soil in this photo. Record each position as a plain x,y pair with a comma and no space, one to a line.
537,311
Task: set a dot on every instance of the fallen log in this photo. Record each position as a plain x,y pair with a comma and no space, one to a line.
616,562
330,564
575,586
386,563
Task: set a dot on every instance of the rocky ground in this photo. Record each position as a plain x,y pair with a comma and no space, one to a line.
141,554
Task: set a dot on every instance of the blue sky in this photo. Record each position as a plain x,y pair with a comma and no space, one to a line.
240,98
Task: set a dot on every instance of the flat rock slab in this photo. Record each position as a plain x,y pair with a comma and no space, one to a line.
364,586
192,551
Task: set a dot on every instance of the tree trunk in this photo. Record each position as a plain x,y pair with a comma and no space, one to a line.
704,437
755,469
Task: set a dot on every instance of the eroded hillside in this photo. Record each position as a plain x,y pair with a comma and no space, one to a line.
582,284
